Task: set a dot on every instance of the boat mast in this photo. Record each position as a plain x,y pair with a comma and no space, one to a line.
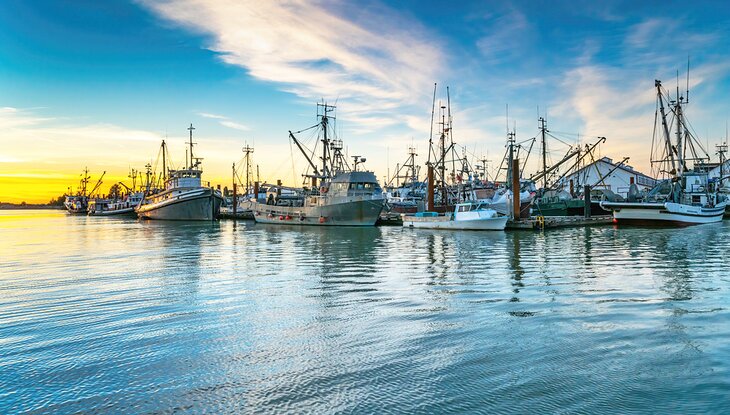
667,140
164,162
680,138
324,123
85,181
191,128
511,151
248,151
543,130
451,136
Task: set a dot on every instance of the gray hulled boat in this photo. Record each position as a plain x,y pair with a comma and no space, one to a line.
344,197
184,197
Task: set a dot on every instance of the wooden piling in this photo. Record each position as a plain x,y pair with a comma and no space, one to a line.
235,201
587,199
430,198
515,189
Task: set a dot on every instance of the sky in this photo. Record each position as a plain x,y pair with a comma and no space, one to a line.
100,84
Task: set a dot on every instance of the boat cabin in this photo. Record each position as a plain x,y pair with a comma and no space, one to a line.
354,183
184,178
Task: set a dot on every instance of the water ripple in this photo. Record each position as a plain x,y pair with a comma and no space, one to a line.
152,317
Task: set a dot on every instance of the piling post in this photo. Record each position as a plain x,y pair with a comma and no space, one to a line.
235,201
516,189
430,198
256,191
278,188
587,199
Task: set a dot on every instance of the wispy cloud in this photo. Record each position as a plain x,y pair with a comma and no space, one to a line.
234,125
505,35
213,116
369,60
225,121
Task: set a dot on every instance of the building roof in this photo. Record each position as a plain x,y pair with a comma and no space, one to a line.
610,162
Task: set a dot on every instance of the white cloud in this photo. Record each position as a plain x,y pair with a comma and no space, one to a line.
214,116
505,36
225,121
234,125
367,60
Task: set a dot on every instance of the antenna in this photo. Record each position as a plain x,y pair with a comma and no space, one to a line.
687,100
430,134
506,106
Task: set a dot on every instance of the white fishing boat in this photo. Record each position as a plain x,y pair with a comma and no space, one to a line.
183,197
343,197
466,216
686,196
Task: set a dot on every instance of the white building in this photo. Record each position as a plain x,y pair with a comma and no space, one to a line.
597,176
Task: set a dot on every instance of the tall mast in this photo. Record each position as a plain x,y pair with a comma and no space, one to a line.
430,134
164,163
721,150
667,140
248,150
680,138
543,130
511,144
191,128
451,135
324,123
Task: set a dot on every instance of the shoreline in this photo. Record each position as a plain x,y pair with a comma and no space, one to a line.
9,206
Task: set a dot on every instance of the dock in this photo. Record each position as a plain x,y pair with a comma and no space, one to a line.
552,222
245,215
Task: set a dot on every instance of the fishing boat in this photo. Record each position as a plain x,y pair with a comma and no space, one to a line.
407,195
183,196
338,196
686,196
466,216
78,204
113,207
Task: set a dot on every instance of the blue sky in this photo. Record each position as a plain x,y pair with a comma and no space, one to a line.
100,83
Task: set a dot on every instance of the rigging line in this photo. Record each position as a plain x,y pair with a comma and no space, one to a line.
552,136
306,129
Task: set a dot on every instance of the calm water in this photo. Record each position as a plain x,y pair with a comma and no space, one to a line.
111,316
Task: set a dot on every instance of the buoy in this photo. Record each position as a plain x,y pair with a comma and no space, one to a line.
322,219
288,217
281,217
301,218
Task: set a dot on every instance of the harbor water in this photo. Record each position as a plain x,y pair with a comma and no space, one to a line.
106,315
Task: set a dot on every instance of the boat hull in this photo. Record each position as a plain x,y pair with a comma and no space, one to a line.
663,213
353,213
116,212
196,205
485,224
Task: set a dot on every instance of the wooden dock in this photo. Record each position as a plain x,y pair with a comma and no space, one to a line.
552,222
238,216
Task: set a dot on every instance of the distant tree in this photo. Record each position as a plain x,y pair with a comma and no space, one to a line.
115,192
58,201
22,203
